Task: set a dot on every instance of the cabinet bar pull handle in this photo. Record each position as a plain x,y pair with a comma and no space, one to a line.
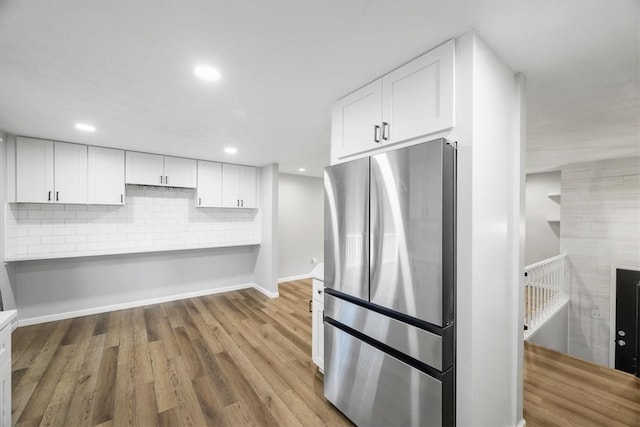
49,195
242,203
57,198
199,201
161,179
385,131
238,202
121,198
166,179
376,133
310,310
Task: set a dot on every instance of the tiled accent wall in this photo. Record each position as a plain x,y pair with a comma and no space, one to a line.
599,227
152,219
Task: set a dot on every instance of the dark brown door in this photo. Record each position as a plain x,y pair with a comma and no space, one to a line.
627,321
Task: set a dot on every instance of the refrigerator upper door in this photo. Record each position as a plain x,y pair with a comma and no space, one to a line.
346,217
412,238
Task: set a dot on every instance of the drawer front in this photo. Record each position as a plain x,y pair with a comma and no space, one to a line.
318,290
5,344
373,388
417,343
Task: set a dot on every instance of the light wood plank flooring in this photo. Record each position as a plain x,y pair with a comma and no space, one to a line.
242,359
237,358
561,390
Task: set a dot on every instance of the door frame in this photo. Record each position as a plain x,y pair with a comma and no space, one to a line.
612,309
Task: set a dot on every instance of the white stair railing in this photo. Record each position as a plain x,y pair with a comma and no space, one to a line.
545,291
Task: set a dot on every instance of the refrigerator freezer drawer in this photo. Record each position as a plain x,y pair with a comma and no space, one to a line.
373,388
424,346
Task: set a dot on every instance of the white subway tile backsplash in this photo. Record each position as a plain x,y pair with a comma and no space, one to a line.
151,219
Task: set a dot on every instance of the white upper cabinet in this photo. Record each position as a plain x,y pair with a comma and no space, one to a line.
105,176
209,193
155,169
357,120
34,170
144,168
248,187
417,99
239,184
180,172
70,175
230,186
50,172
412,101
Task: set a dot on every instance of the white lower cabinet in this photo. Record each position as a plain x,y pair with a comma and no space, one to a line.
317,326
6,318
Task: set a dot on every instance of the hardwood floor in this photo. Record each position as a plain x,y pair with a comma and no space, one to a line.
243,359
237,358
561,390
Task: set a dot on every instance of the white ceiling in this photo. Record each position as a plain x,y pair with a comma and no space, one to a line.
127,68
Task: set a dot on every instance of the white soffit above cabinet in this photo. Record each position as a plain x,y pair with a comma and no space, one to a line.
127,68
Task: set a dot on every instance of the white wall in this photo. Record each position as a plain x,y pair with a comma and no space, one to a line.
300,224
54,289
554,333
542,236
491,178
266,271
600,227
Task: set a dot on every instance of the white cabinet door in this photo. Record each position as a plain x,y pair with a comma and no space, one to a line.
70,175
34,170
105,176
5,376
357,120
248,187
317,334
417,98
144,169
209,184
179,172
230,186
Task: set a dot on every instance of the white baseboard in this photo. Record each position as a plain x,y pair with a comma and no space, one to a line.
131,304
266,292
292,278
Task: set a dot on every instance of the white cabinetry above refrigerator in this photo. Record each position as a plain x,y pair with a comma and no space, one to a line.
415,100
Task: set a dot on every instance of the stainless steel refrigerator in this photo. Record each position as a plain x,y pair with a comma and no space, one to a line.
389,317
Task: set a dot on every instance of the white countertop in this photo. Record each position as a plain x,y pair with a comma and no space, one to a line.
6,317
318,271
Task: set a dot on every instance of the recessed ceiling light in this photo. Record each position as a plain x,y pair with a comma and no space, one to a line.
231,150
207,73
85,127
302,170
